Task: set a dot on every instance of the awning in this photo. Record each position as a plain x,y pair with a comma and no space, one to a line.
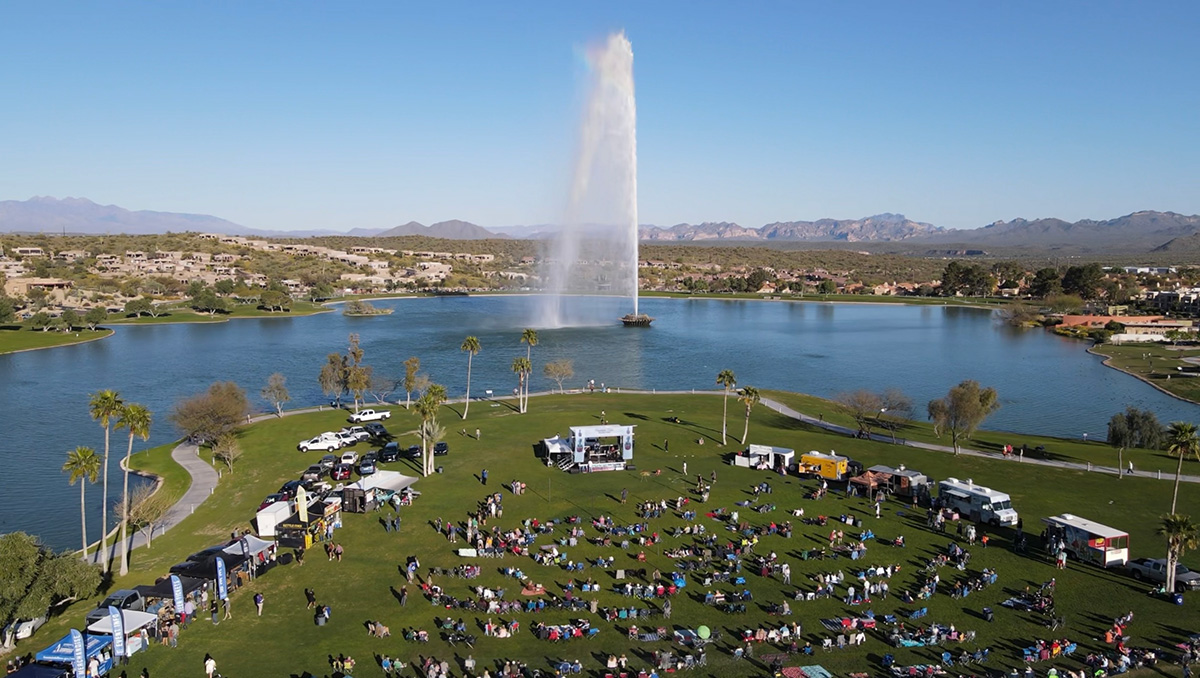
63,652
133,620
256,545
163,588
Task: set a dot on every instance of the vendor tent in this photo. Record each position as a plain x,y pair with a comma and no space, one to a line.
391,481
254,545
41,671
162,589
133,620
63,651
266,519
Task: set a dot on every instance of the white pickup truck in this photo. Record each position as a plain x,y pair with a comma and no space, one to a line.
1155,569
369,415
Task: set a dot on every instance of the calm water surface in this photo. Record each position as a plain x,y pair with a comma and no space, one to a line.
1047,384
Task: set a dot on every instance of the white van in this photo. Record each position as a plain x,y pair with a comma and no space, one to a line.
977,503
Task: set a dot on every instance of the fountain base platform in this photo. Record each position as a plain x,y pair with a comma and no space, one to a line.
636,320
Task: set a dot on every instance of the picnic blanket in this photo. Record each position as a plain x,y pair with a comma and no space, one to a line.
832,624
917,670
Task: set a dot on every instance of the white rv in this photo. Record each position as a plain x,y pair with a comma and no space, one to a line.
978,503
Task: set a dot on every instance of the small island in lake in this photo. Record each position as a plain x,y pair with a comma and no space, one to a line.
358,308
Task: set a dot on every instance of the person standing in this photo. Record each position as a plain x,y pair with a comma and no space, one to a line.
483,477
210,665
228,612
476,434
189,611
258,602
624,494
685,468
216,612
403,596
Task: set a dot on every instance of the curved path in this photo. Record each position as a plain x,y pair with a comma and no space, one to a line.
204,477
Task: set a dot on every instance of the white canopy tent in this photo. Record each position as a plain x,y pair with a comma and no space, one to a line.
392,481
133,620
257,546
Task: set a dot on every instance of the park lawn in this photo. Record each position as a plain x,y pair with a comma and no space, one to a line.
1158,364
158,462
14,338
1096,452
362,587
182,314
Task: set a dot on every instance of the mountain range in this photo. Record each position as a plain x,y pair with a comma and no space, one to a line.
1143,231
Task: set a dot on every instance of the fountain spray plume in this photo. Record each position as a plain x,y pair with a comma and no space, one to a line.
596,254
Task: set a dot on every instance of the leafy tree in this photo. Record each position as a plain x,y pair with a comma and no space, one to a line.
334,376
1182,535
749,397
1181,442
358,376
472,348
226,449
41,321
1134,428
1084,281
105,406
321,292
559,371
208,302
962,410
727,380
411,367
137,419
225,287
194,288
206,416
34,579
1047,282
276,392
37,296
70,319
825,287
84,466
95,316
274,300
138,307
1063,303
8,309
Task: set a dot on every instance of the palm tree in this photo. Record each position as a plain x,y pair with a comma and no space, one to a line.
530,339
105,406
749,398
728,381
522,367
136,418
1182,443
84,465
1182,535
427,408
471,346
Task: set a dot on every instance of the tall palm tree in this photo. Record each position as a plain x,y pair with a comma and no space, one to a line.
104,407
84,465
427,408
749,398
522,367
1182,535
530,338
471,346
1182,443
727,380
136,418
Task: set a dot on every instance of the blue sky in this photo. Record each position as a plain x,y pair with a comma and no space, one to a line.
339,115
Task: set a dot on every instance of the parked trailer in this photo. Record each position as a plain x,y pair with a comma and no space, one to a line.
1088,541
829,466
976,502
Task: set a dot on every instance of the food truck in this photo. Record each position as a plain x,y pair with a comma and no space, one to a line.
976,502
1088,541
765,458
830,466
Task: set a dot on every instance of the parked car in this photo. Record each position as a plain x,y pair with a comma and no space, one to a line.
271,499
369,415
414,452
347,438
342,472
1155,569
389,452
313,473
376,429
288,490
366,465
358,432
329,461
24,628
321,444
441,449
125,599
350,458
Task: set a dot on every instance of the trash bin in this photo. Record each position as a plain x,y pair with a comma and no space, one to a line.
319,619
987,614
440,469
1177,598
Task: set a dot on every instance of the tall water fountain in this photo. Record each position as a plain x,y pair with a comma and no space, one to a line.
596,253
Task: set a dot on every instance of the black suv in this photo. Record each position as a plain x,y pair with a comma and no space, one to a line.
414,452
389,452
376,429
441,449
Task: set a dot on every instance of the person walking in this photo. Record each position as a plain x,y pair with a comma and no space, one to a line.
258,602
312,598
210,665
228,612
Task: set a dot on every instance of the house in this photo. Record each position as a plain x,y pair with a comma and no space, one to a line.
56,288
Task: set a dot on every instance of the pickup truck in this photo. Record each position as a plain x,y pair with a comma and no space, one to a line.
125,599
369,415
1155,569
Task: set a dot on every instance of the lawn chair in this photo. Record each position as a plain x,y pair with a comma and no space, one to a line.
947,659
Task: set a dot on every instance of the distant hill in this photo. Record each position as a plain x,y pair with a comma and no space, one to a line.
1137,232
80,215
450,230
879,228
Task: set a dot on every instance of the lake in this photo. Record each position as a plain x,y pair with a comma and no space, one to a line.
1047,384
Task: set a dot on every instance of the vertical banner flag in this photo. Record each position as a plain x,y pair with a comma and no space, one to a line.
78,654
302,504
177,591
118,631
222,587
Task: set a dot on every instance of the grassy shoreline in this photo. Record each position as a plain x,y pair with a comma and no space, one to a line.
25,339
1155,364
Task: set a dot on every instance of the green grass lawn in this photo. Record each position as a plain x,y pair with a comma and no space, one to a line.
1158,364
15,338
182,314
362,587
